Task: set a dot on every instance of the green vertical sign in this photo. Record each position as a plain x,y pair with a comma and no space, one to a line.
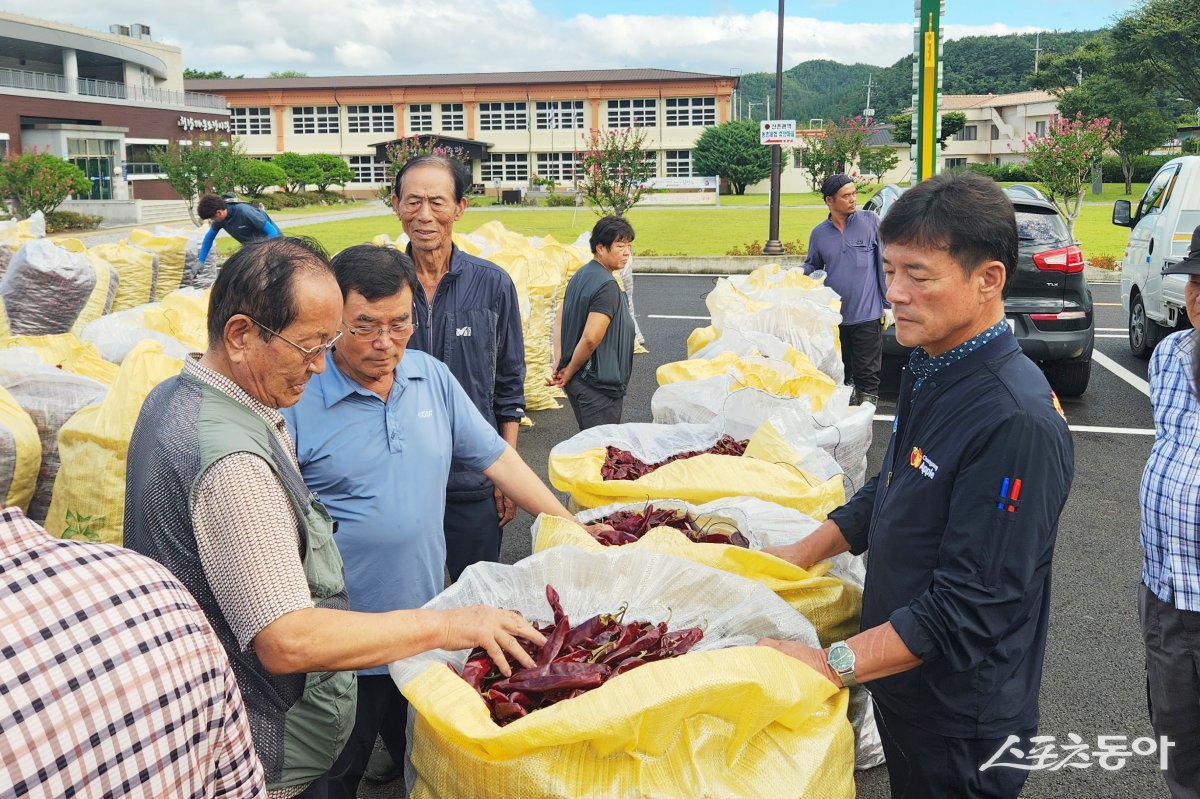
927,86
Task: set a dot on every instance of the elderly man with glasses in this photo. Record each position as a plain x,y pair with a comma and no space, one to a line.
378,434
214,492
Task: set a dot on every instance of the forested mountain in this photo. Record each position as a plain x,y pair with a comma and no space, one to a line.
829,90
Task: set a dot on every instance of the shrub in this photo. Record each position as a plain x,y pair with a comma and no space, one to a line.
1106,262
796,247
40,181
1144,167
560,201
254,177
59,221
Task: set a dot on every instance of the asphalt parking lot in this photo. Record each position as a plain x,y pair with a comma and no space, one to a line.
1094,682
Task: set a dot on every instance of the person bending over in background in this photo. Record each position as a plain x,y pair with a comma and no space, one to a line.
241,220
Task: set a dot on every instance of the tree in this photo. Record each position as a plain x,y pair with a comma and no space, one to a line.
299,169
835,150
287,73
732,150
209,165
401,151
1062,160
254,177
40,181
207,74
878,161
614,169
332,171
952,122
1162,36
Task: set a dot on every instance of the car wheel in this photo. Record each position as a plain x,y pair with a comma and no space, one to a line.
1070,379
1144,332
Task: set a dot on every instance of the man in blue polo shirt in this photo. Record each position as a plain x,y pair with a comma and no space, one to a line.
376,436
846,247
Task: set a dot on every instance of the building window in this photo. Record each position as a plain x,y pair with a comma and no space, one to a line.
1039,129
508,167
995,133
650,161
968,133
370,119
314,119
559,114
452,117
632,113
679,163
253,121
503,116
420,118
954,163
691,112
368,170
996,161
139,159
559,167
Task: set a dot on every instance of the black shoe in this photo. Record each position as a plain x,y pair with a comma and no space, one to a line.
871,398
381,768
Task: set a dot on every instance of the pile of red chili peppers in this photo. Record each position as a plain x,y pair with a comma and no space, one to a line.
573,660
622,465
629,526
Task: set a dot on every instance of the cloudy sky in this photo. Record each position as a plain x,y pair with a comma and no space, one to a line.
349,37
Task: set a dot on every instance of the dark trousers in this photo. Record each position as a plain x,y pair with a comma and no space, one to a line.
316,790
924,765
862,355
382,710
472,529
593,408
1172,639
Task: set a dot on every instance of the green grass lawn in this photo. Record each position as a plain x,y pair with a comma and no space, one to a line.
688,230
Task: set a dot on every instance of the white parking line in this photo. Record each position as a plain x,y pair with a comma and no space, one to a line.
1112,335
1111,330
1075,428
668,316
1121,372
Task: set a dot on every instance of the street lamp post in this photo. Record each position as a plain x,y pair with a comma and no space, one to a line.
773,245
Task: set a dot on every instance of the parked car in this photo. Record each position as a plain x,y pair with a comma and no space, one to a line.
882,200
1049,304
1161,232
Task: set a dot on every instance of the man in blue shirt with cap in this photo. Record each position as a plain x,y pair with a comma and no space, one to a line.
376,435
846,247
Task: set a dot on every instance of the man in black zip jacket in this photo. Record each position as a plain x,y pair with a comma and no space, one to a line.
961,520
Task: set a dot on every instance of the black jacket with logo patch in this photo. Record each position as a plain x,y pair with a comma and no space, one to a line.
960,556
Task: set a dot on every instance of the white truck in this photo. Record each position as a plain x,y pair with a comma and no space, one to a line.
1162,225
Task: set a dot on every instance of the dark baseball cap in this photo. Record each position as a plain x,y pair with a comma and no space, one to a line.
833,183
1191,264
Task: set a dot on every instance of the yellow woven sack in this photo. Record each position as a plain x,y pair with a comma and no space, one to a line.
68,352
103,294
136,269
171,252
92,446
776,276
700,338
495,234
765,471
831,605
183,314
20,453
470,246
744,721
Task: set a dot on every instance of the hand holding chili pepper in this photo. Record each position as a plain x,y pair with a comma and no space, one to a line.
495,630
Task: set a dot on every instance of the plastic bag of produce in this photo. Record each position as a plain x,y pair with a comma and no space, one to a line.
798,476
93,445
17,234
725,719
20,453
182,315
67,352
115,335
792,376
137,269
46,288
107,280
51,397
171,248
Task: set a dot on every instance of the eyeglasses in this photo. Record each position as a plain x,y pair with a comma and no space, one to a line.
374,332
310,353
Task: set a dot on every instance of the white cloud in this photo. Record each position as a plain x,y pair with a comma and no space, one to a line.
407,37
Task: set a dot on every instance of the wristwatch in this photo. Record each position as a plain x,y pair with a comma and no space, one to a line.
841,659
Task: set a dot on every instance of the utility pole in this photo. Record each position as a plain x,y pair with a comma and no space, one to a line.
1037,52
773,245
869,111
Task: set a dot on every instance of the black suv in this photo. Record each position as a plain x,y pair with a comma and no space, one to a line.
1049,304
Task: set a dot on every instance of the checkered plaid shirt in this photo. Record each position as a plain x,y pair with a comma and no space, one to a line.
1171,482
111,681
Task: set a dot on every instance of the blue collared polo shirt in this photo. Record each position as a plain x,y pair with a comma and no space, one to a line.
380,468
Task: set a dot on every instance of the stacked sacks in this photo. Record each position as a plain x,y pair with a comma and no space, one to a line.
20,453
67,352
788,473
92,446
107,282
726,719
51,397
116,334
23,232
138,271
46,288
171,249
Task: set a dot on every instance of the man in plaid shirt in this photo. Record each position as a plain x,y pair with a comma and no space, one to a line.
1169,598
113,682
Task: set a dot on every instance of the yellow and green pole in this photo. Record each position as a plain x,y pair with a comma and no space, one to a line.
927,86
